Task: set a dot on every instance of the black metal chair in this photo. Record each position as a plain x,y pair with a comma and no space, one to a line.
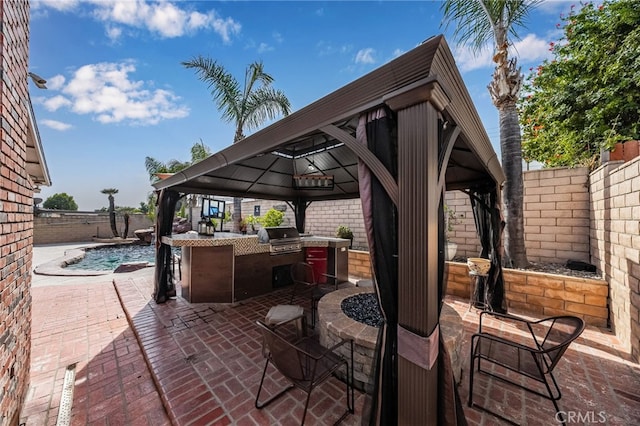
305,364
305,282
534,356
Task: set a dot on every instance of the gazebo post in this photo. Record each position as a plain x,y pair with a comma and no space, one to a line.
419,198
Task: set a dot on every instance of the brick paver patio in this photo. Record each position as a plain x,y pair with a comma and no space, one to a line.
200,364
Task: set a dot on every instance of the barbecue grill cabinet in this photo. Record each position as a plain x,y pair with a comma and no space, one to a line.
281,239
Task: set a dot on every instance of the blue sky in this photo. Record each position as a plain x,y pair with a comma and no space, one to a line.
117,91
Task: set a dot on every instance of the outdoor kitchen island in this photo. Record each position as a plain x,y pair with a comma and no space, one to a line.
229,267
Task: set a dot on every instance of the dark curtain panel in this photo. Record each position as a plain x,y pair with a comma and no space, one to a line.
450,411
377,130
164,287
489,226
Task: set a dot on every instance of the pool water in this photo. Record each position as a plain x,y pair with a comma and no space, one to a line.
108,258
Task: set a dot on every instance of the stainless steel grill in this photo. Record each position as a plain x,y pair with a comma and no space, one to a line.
281,239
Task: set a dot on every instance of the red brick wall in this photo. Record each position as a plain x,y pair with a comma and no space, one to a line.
16,213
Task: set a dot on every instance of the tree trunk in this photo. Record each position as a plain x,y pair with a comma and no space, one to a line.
237,214
112,216
126,226
513,193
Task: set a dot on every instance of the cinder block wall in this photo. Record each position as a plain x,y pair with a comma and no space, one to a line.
79,227
323,218
556,214
464,228
615,244
16,213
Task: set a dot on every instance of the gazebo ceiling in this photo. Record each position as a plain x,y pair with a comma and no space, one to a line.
319,138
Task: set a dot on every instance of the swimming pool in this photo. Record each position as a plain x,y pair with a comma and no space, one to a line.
108,258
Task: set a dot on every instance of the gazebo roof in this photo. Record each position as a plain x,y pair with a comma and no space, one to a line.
320,137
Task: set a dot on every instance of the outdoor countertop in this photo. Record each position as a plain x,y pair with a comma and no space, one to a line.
245,244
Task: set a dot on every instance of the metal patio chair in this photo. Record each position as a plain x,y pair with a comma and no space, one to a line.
305,364
534,356
305,282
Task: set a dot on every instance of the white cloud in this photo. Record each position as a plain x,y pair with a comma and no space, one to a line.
278,37
56,125
530,49
55,82
55,103
106,92
167,19
264,47
326,48
365,56
113,32
61,5
397,52
468,60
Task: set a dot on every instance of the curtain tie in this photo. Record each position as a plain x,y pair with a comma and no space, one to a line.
422,351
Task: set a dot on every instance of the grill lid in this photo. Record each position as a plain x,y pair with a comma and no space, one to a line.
270,235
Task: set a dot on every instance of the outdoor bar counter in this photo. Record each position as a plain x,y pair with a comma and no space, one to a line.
228,267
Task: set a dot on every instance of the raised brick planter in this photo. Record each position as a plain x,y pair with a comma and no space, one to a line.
531,292
544,294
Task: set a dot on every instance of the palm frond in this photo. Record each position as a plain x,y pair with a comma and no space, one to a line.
265,103
480,21
224,88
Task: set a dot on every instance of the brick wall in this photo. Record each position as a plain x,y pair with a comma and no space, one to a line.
79,227
16,213
615,243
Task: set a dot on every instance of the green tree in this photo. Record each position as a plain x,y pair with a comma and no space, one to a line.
587,97
480,22
112,210
248,106
61,201
272,217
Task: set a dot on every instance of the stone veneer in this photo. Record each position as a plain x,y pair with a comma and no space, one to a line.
334,326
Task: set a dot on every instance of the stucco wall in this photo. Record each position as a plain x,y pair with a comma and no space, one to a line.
16,213
615,243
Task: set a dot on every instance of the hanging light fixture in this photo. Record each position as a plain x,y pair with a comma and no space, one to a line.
314,179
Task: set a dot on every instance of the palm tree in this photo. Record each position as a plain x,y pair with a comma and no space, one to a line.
112,210
477,23
248,106
199,151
